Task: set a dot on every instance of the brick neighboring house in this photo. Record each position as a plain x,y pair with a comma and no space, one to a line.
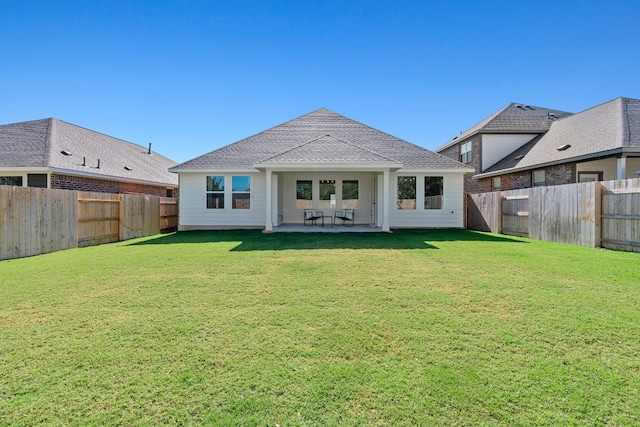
51,153
495,137
600,143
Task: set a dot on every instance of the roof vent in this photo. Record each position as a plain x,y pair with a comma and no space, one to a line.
127,168
149,151
563,147
551,116
455,137
521,156
520,106
529,107
66,153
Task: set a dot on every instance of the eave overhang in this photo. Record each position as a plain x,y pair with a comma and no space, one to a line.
586,157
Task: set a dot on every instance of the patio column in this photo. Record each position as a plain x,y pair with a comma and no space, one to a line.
385,200
269,221
621,167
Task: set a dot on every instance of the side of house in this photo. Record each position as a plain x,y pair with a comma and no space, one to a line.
600,143
51,153
495,137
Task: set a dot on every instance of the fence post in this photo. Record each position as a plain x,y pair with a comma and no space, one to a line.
597,215
121,218
499,213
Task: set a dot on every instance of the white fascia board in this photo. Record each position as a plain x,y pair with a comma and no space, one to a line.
460,170
23,169
327,166
216,170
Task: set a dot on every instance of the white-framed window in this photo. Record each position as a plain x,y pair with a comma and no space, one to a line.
538,178
215,192
236,196
241,192
327,194
465,152
350,194
496,183
406,192
433,192
589,176
304,194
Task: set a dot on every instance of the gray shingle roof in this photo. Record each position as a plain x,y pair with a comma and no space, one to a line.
321,136
614,125
40,143
513,118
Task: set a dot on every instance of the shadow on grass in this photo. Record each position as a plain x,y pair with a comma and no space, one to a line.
255,240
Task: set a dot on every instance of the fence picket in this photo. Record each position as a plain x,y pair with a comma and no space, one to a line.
34,221
591,214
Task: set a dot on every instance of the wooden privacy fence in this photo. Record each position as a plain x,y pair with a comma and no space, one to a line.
35,220
594,214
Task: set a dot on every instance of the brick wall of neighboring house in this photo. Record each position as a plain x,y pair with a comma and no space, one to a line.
560,174
553,175
470,185
510,181
70,182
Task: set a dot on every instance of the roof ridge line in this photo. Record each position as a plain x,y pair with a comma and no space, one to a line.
626,125
367,149
292,148
48,143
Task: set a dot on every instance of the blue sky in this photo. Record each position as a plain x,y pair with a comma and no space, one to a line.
193,76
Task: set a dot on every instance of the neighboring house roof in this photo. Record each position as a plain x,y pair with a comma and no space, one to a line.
321,137
609,128
513,118
40,144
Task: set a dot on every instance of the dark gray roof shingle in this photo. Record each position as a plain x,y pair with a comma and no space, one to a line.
40,143
320,136
610,126
513,118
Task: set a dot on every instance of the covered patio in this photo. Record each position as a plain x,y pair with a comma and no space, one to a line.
299,228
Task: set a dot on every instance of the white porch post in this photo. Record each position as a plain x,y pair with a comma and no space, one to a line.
621,167
269,222
274,200
385,200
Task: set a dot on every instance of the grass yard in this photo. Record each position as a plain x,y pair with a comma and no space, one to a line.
435,327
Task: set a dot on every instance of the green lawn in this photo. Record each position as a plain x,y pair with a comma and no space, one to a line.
233,328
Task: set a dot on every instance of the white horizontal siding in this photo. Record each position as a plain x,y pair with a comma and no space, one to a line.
193,204
496,147
194,214
450,216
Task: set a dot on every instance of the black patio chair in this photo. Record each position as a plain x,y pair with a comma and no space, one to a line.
311,216
347,216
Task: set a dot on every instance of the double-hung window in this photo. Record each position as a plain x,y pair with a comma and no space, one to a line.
304,195
406,192
215,192
465,152
433,192
538,178
350,196
327,194
240,192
